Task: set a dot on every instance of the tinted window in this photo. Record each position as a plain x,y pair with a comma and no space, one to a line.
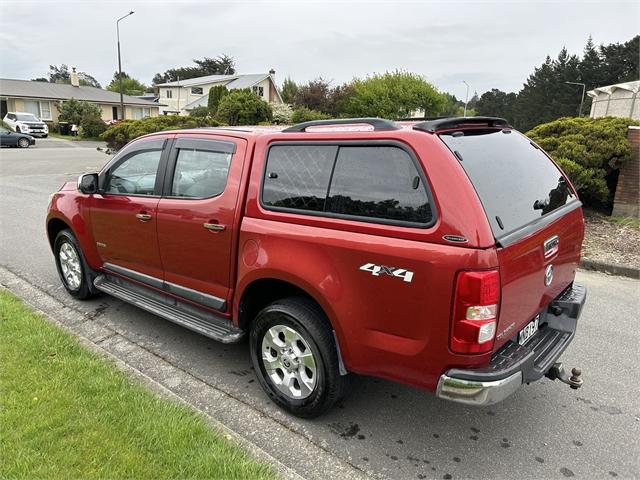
200,173
298,176
516,182
378,182
136,175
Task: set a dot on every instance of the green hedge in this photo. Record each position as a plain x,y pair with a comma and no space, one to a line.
304,114
590,151
118,135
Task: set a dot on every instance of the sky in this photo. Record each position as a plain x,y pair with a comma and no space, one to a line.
488,44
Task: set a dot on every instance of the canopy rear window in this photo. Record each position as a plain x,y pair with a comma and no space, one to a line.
515,181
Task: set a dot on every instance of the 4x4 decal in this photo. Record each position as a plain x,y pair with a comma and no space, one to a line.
376,270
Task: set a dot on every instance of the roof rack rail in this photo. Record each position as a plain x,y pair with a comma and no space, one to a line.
432,126
378,124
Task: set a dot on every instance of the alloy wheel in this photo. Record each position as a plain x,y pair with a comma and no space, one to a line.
70,265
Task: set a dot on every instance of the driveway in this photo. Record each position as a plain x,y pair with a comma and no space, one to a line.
384,429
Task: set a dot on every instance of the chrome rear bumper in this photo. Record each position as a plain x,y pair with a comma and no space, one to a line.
477,392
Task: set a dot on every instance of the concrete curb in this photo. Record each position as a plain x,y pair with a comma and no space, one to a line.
610,268
263,437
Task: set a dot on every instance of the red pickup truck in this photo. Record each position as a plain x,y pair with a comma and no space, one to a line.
439,253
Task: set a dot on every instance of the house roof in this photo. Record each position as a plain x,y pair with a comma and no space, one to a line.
633,87
230,81
63,91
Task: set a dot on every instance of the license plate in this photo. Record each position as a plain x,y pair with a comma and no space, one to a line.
529,330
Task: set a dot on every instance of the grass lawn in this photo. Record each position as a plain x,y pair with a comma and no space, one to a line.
67,413
72,138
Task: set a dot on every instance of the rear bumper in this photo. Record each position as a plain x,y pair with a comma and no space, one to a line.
516,364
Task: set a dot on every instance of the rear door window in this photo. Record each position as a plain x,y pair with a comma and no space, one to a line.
515,181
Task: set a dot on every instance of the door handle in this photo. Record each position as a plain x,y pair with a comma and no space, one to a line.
216,227
143,217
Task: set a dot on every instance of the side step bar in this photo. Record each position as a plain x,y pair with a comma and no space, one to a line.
183,314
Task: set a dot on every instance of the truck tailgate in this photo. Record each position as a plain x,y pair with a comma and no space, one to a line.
523,268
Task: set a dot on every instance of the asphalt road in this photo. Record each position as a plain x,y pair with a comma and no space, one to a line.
545,430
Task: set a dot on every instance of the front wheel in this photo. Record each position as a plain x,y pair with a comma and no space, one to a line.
71,265
23,143
295,357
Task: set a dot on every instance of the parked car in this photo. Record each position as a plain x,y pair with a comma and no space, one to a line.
12,139
24,122
440,254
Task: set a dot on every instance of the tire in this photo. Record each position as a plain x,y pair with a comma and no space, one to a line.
45,136
304,385
24,143
72,266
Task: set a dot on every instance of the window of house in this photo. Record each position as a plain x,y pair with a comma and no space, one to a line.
169,94
136,175
196,90
45,111
258,91
364,182
32,107
146,112
137,113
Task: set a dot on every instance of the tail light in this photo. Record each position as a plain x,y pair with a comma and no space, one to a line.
475,311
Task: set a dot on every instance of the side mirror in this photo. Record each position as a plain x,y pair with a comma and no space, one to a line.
88,183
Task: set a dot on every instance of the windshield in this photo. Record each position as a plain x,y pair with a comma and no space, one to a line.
516,182
26,117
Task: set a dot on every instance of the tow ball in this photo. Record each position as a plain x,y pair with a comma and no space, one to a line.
558,372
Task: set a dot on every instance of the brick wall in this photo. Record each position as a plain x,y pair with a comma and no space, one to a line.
627,199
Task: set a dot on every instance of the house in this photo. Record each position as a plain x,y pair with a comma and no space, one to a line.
40,98
184,95
620,100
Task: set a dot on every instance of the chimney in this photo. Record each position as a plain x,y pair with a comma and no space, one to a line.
272,72
75,81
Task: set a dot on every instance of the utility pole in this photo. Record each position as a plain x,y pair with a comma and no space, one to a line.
466,99
582,99
120,62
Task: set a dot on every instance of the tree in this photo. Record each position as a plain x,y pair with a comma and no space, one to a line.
314,95
289,90
497,103
589,150
215,95
130,86
451,107
393,95
243,107
200,112
62,74
221,65
621,61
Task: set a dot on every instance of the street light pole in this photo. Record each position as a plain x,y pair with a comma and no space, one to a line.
120,62
582,99
466,99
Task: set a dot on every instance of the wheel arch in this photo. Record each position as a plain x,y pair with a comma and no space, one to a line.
260,292
54,227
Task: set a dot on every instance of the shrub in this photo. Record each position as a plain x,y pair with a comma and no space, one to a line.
73,111
215,95
92,126
200,112
589,150
304,114
243,107
118,135
281,113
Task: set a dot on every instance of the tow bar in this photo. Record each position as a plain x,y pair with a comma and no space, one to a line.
559,373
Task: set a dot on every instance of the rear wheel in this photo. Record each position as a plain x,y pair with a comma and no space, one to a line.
23,143
295,357
71,265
